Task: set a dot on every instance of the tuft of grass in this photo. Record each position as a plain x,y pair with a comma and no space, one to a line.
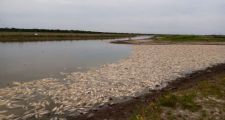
185,101
213,88
169,100
210,90
149,112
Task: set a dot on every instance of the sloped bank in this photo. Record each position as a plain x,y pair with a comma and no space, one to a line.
126,110
149,67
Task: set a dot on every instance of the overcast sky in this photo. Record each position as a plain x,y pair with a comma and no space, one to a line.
148,16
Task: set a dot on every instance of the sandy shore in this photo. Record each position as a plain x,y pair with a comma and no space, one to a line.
149,67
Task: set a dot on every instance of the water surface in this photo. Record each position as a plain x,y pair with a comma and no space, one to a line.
25,61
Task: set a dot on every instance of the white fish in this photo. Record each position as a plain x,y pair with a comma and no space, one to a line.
4,111
10,116
54,109
28,116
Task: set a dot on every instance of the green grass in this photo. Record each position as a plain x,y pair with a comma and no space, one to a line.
185,101
168,100
143,112
51,36
205,100
191,38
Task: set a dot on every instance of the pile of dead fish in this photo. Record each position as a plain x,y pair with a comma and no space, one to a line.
149,67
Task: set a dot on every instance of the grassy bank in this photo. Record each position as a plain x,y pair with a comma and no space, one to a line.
204,100
48,36
191,38
178,39
21,35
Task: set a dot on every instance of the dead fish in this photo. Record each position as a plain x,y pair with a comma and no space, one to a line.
44,112
54,118
4,111
28,116
2,117
11,116
54,109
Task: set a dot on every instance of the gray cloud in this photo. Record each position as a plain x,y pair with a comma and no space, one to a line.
149,16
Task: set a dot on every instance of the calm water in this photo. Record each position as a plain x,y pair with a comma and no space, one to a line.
35,60
25,61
